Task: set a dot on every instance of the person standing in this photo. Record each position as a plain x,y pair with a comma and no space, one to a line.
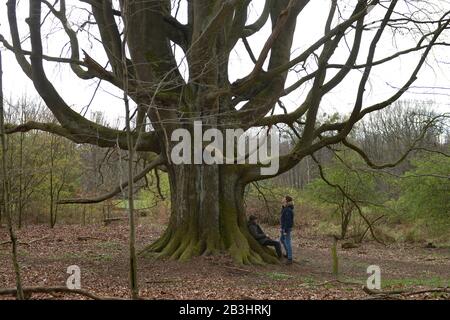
287,222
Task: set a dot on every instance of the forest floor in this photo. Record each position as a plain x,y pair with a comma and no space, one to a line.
101,253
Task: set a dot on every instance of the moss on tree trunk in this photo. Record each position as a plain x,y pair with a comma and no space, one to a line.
208,217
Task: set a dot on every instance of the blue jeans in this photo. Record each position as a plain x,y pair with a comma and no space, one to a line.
285,239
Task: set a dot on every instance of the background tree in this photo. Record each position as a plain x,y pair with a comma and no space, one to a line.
63,175
356,189
6,195
425,191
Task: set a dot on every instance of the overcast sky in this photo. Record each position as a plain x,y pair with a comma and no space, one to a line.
433,82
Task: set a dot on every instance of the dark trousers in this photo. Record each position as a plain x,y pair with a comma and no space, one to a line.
275,244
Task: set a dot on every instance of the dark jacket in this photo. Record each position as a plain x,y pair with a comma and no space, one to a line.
256,232
287,217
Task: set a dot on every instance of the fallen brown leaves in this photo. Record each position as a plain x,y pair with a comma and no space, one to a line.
101,253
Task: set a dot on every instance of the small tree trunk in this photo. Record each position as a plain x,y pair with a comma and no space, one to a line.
132,234
334,256
58,194
108,211
84,216
51,180
20,200
6,194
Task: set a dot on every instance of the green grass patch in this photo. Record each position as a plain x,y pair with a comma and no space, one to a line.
21,251
278,276
102,257
308,280
68,256
109,245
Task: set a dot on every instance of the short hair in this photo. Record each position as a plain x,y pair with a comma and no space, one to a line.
288,198
252,218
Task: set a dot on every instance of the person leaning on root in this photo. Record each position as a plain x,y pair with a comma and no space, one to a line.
287,222
260,236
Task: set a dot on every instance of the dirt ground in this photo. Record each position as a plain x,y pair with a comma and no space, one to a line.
101,253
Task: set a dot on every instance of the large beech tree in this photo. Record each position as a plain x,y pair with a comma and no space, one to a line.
139,38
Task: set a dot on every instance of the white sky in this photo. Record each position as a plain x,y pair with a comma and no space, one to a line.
433,82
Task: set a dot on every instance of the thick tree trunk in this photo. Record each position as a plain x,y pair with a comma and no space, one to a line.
208,217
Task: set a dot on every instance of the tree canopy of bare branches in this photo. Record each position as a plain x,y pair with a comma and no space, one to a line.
207,209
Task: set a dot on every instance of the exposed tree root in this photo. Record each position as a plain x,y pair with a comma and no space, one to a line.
178,246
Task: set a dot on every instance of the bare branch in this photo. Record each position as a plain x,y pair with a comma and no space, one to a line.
156,162
99,135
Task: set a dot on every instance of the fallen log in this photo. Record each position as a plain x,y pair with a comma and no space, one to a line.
377,294
25,243
107,221
86,238
50,290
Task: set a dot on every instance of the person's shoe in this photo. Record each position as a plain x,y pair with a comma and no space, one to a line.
289,262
